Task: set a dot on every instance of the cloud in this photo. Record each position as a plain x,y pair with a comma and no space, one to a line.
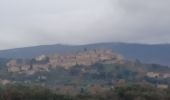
35,22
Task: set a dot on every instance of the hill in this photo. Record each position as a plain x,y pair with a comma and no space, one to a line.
84,69
146,53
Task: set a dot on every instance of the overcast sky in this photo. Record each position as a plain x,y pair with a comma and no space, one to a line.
39,22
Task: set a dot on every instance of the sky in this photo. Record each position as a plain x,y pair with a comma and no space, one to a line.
41,22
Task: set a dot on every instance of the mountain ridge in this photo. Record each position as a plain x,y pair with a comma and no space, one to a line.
148,53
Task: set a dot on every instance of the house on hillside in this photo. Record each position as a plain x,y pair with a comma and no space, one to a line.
153,75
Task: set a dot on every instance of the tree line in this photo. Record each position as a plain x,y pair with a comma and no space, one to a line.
134,92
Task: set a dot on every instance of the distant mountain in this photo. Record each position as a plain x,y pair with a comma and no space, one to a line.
158,53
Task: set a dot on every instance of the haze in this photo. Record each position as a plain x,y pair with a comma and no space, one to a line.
39,22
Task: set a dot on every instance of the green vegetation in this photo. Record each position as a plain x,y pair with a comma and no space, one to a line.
3,63
135,92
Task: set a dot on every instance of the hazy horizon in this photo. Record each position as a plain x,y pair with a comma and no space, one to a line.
74,22
130,43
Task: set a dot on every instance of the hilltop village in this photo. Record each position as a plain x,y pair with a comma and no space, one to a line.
46,62
98,66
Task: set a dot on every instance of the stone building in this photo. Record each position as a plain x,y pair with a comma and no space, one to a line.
153,75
